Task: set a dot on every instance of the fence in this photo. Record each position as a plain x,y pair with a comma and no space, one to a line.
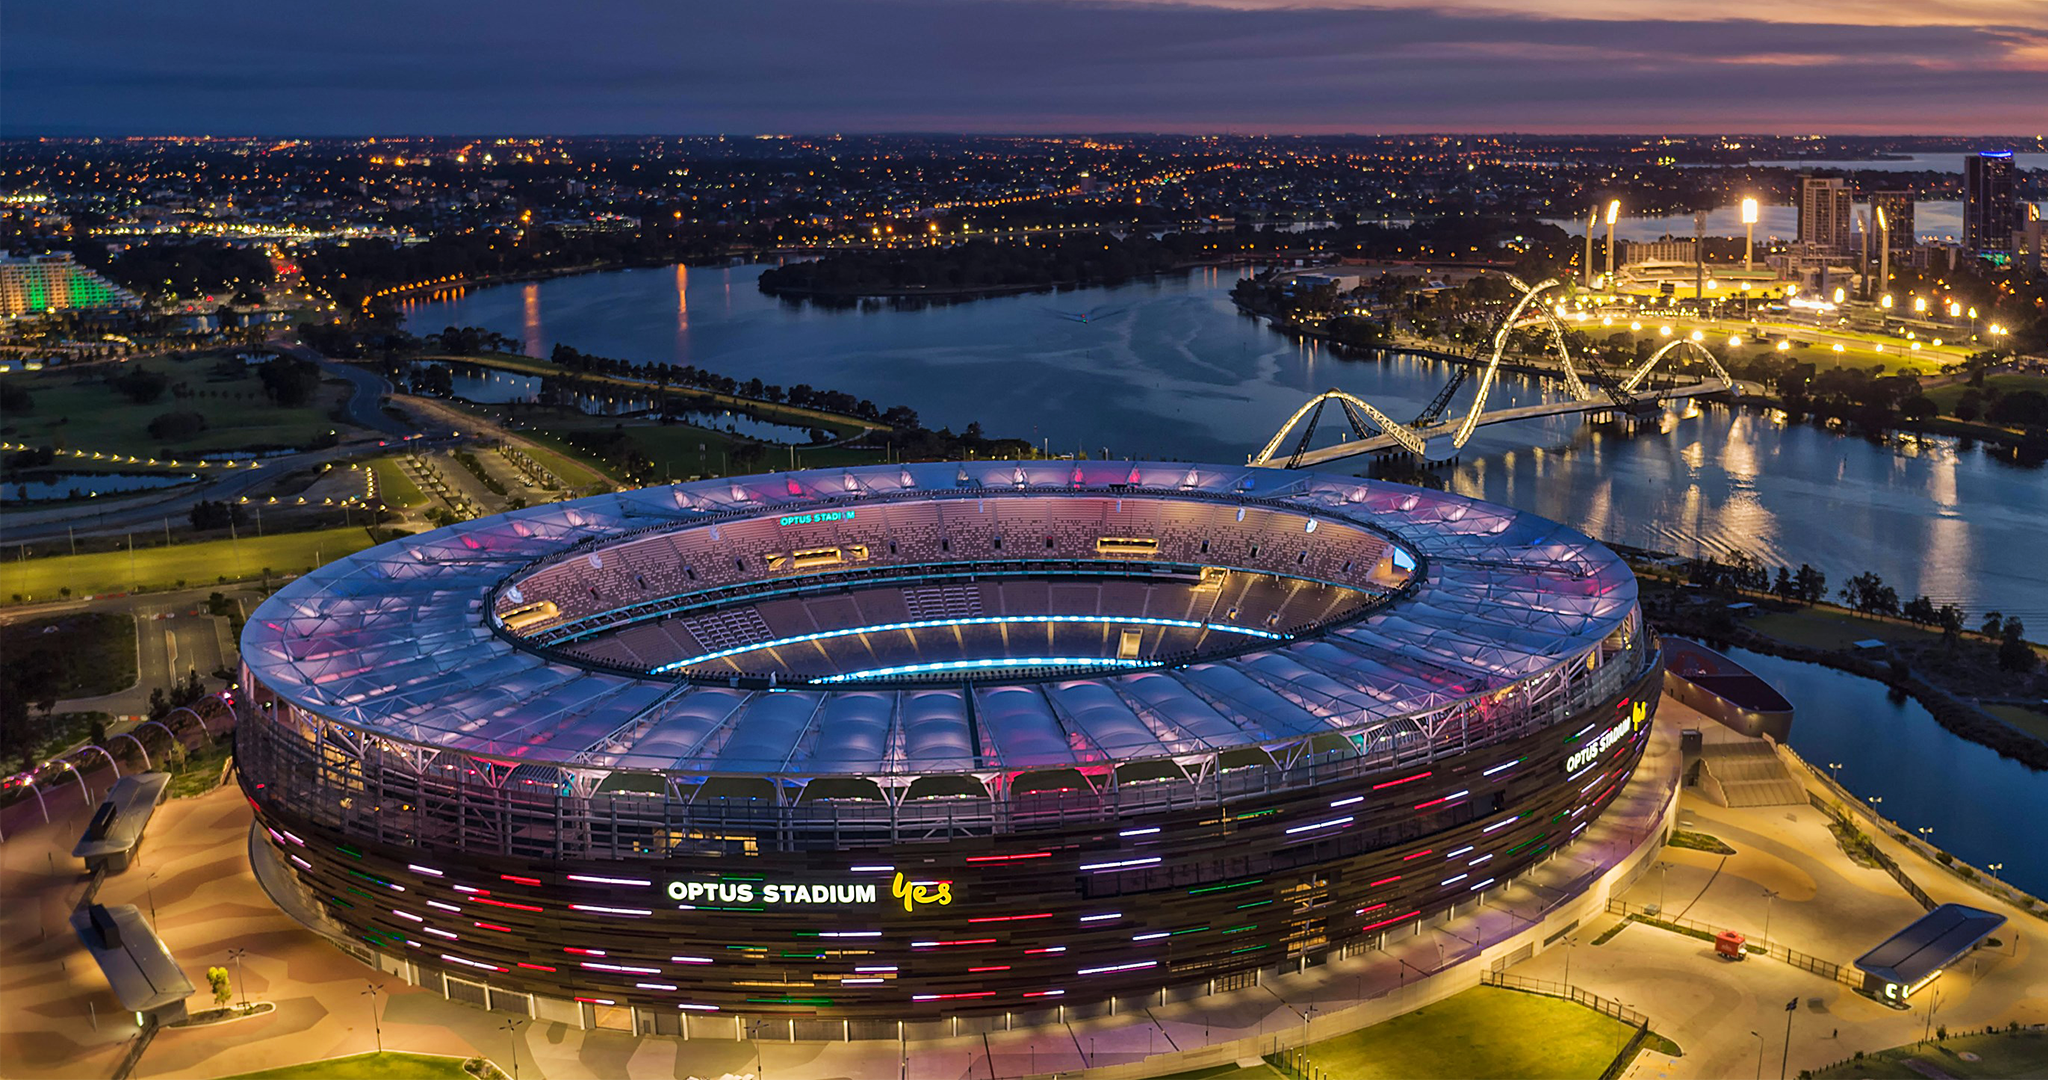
1891,865
1826,969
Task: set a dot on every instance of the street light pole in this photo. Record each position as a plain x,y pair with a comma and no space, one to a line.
1759,1056
1769,895
376,1022
236,955
512,1030
1791,1007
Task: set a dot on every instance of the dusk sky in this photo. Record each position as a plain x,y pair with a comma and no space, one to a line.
818,66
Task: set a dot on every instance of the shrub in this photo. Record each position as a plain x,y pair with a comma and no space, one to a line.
179,426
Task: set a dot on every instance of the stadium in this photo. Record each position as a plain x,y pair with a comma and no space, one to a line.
851,747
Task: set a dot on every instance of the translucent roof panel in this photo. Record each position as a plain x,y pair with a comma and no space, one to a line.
401,641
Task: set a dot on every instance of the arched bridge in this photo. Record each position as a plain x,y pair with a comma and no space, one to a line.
1375,431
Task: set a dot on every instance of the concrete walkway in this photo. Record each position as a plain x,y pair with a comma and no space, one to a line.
1827,906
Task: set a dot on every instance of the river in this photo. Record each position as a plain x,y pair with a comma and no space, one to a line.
1894,750
1168,368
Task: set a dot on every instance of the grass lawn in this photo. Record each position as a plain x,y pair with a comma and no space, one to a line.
390,1065
90,652
564,465
2005,1055
77,410
1947,396
202,768
2032,721
1485,1031
1820,628
394,487
166,567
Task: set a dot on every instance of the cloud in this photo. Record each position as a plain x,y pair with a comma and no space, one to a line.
621,66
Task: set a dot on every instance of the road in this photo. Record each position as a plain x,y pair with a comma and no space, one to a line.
174,635
365,407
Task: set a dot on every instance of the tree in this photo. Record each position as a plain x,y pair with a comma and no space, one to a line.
1951,619
217,978
2014,654
1782,587
1920,609
1812,584
1918,407
1867,593
1994,624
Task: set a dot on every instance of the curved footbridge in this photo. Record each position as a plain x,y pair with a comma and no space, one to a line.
1592,391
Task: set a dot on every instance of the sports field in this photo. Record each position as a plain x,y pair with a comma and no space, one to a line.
1485,1031
389,1065
167,567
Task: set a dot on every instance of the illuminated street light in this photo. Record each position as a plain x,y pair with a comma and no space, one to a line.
1885,302
1919,305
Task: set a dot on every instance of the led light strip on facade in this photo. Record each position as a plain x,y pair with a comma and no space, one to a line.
1002,664
988,620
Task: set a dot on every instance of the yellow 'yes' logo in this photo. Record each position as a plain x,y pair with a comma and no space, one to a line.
913,895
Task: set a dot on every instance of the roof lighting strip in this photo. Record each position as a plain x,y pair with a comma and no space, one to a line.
997,664
989,620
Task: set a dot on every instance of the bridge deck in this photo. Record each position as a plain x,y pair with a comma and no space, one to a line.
1498,416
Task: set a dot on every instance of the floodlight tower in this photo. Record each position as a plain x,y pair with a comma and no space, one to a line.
1748,233
1884,253
1613,211
1592,220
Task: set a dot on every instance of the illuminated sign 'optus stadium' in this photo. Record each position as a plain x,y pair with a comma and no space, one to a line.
822,515
1584,755
910,893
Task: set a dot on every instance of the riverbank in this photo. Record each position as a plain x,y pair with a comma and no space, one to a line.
840,424
963,293
1828,636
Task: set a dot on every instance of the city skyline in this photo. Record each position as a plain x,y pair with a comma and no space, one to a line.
1026,66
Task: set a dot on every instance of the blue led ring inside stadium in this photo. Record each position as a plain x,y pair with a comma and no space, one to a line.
1004,663
986,620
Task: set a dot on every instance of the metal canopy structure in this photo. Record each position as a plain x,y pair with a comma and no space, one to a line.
401,642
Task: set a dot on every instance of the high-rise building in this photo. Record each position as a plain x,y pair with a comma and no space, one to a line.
45,283
1826,215
1898,216
1988,202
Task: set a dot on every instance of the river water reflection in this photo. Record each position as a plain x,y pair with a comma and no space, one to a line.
1168,368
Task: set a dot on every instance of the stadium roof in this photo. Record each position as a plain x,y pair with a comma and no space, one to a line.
397,640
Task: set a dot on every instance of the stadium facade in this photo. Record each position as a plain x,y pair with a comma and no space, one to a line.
918,741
